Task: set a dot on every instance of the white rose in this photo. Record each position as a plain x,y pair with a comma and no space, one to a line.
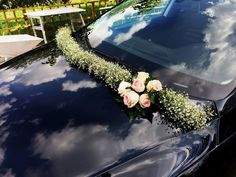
122,89
144,101
131,99
138,85
143,76
154,85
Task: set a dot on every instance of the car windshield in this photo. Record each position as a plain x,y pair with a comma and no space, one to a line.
195,37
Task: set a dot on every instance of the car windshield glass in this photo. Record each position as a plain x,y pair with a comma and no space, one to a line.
195,37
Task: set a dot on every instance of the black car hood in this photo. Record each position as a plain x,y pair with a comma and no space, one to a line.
56,120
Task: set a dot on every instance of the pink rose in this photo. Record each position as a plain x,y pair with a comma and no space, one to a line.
154,85
131,99
138,85
144,101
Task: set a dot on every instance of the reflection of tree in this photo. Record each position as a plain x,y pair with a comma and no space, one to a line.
140,5
146,5
49,51
131,9
52,57
120,8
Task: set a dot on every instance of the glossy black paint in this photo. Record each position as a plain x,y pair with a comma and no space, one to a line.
170,158
59,121
221,162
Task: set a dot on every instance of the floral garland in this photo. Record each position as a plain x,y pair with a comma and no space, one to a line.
142,95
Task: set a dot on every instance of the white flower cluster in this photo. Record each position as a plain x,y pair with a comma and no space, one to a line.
130,92
182,112
110,72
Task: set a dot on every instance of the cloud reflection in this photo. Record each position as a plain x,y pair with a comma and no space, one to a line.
5,91
73,87
9,75
4,133
220,36
82,150
102,31
122,37
4,107
2,155
8,173
35,74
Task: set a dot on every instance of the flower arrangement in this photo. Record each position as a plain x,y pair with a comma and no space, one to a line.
141,95
141,85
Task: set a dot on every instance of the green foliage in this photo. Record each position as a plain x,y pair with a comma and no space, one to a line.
121,7
176,108
110,72
6,4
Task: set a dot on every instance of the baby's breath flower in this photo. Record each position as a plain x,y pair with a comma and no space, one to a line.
111,73
182,111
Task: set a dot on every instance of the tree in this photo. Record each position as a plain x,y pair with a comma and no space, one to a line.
8,4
